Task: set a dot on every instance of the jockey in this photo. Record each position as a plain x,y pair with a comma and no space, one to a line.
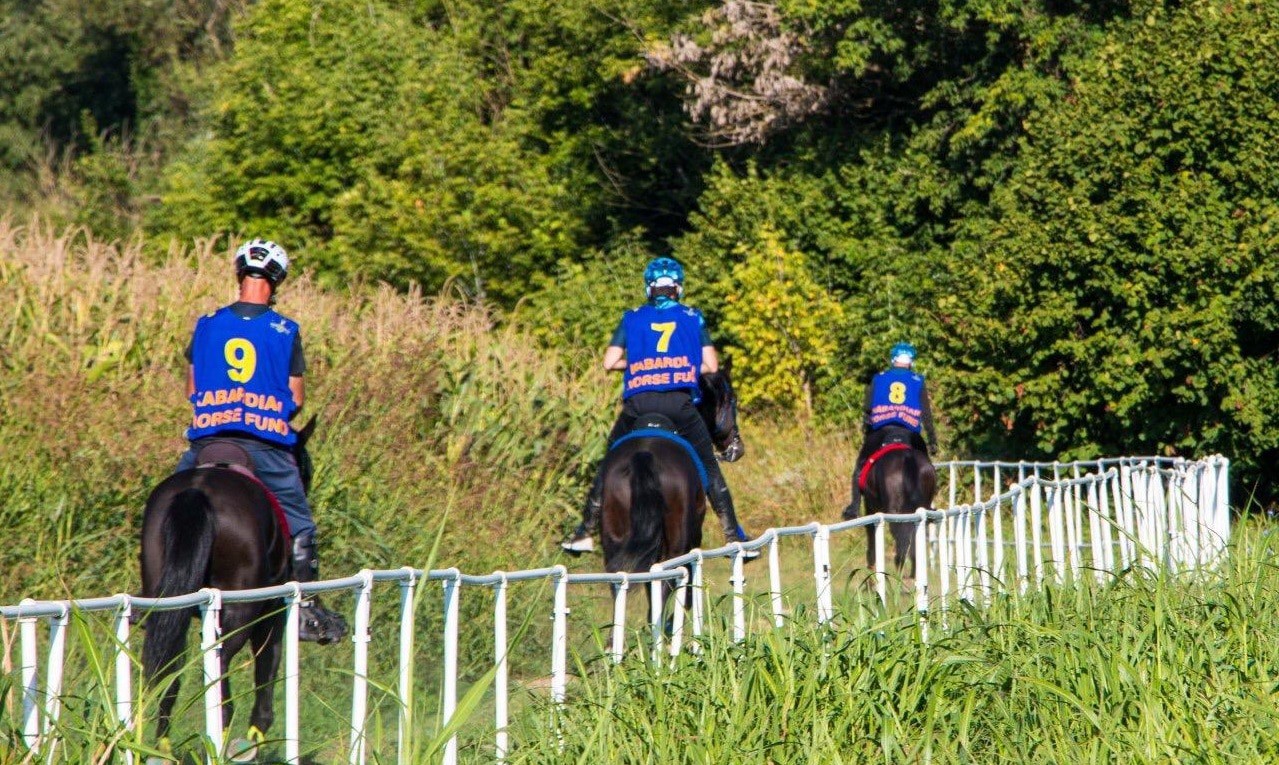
244,380
896,400
663,330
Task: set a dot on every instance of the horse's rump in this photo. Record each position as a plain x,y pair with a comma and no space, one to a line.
653,503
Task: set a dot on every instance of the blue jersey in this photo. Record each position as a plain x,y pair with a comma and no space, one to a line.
663,350
242,376
897,399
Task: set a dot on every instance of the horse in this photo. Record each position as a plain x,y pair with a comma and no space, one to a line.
654,498
217,526
899,479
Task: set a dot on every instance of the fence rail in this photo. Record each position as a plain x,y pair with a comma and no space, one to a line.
1019,522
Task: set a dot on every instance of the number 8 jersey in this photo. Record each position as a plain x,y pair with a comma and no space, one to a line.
663,350
242,376
896,399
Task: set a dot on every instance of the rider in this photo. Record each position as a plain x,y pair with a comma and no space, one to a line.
662,335
896,400
245,383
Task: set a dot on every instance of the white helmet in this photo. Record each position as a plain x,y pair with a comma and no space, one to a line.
263,258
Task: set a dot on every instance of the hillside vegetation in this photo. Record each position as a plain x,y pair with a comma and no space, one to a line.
1069,207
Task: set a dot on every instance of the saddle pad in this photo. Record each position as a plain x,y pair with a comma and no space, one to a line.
669,436
864,476
276,507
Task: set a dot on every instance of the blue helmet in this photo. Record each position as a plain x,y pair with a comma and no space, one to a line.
663,272
902,352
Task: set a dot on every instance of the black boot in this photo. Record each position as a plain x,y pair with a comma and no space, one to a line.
854,507
581,541
722,504
315,622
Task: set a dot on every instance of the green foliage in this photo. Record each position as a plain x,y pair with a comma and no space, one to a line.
783,322
1132,301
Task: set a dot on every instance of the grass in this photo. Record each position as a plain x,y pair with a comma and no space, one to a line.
435,416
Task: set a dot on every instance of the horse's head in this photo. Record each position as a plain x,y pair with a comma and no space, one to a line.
719,410
306,469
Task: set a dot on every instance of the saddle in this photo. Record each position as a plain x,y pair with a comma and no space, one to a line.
894,446
229,455
661,426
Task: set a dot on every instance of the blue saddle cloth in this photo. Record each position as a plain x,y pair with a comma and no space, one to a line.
669,436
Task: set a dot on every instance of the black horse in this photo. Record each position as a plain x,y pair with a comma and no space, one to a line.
899,479
654,500
216,526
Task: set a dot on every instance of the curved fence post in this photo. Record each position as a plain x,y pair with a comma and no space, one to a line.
619,619
124,670
501,678
655,614
682,585
739,595
408,599
775,579
452,588
53,681
292,677
559,636
211,649
921,571
698,566
30,689
821,572
881,567
360,673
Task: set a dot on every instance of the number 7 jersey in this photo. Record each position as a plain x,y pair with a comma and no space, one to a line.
663,350
242,376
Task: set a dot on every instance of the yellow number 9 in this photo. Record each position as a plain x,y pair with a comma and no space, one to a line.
897,393
242,357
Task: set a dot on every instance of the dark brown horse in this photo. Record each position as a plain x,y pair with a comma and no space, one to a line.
216,527
901,480
654,498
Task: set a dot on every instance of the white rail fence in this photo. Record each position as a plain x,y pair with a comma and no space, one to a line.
1009,526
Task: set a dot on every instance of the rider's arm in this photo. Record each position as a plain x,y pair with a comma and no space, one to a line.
710,360
614,358
926,418
299,392
190,380
866,407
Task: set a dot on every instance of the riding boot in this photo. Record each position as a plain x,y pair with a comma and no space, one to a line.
854,507
722,504
315,622
581,541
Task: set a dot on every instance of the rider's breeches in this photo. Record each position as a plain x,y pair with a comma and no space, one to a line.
277,469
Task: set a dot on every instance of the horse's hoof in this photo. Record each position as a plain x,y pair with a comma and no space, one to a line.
241,750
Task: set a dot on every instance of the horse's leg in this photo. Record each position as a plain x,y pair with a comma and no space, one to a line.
904,546
268,649
165,713
235,630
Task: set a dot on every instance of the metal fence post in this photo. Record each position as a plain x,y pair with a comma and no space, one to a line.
211,648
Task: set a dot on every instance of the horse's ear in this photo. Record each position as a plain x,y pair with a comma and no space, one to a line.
304,434
727,365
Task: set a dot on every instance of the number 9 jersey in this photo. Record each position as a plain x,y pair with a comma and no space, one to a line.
242,376
896,399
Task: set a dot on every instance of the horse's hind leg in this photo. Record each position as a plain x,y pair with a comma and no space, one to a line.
268,648
904,551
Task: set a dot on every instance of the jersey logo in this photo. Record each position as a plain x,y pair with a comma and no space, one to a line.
281,327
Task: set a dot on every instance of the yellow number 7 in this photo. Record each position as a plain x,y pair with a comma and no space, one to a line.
666,328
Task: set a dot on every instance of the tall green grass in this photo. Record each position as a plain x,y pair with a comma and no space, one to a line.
1149,669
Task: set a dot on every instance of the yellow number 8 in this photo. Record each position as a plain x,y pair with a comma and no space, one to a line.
242,357
897,393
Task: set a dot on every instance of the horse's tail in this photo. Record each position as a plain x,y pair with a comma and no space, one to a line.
647,516
187,534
